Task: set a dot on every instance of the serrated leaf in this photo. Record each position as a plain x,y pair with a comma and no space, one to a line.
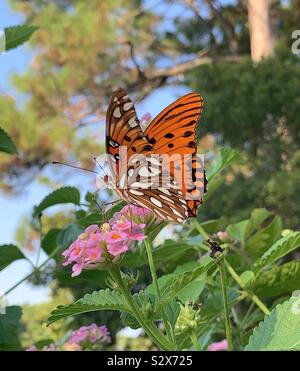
17,35
184,279
9,254
226,157
60,196
6,143
98,300
190,292
9,327
278,281
282,247
280,330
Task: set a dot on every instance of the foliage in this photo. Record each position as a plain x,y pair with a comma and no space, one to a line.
280,330
251,99
9,328
17,35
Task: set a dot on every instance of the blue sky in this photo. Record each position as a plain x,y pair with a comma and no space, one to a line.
12,208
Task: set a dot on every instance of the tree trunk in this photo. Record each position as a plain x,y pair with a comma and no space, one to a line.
262,42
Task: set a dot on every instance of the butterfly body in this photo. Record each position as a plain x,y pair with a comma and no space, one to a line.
156,168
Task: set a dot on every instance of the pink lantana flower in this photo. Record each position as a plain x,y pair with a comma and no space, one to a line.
221,345
91,333
90,337
32,348
97,246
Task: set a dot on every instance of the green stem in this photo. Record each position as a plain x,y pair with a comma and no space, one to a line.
195,342
151,330
152,266
252,296
225,302
33,272
155,282
200,229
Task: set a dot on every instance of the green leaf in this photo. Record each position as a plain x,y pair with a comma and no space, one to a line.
9,328
17,35
9,254
172,311
247,277
92,218
280,330
68,235
168,251
129,320
184,279
49,242
60,196
226,157
6,143
60,238
282,247
257,244
243,230
190,292
278,281
193,290
98,300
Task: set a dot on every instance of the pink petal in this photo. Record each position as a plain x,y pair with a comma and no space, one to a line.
215,347
116,249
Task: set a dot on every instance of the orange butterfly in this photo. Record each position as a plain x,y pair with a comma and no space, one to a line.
156,168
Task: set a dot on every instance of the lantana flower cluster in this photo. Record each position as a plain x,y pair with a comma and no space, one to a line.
90,337
99,244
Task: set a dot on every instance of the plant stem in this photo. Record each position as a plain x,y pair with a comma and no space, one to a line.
33,272
200,229
253,297
195,342
151,330
222,270
152,266
155,282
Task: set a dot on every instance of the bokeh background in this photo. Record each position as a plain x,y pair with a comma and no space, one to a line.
54,92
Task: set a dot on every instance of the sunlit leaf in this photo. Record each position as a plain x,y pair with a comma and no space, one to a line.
98,300
280,330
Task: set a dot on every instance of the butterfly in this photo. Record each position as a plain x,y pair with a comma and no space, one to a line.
158,158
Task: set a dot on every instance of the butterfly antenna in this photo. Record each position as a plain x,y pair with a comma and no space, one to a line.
74,167
99,165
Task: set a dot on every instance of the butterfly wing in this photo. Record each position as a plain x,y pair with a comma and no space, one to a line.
173,132
150,187
123,132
